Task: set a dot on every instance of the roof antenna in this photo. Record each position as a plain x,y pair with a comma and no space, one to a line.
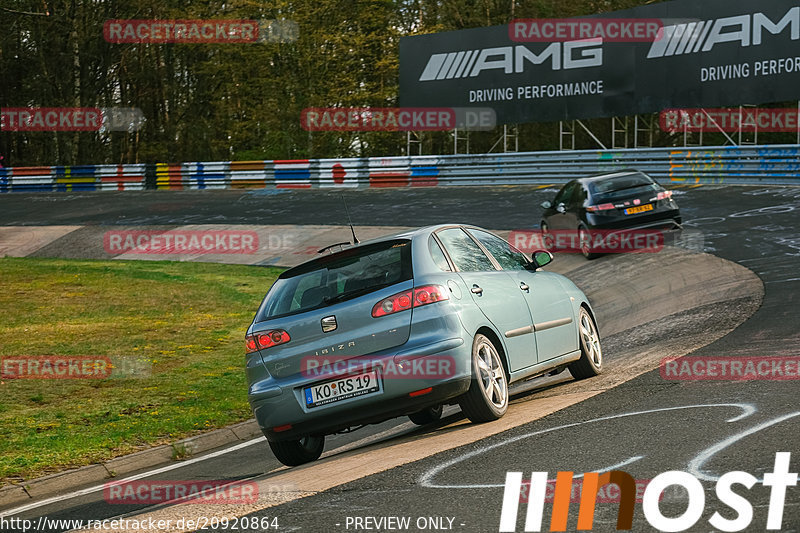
355,239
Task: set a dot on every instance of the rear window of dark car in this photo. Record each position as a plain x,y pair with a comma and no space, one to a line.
622,186
338,277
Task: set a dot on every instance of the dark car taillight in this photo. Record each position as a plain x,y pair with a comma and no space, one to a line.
601,207
417,297
266,339
664,195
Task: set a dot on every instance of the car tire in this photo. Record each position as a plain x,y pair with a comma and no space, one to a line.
487,396
547,238
585,243
591,362
298,452
427,415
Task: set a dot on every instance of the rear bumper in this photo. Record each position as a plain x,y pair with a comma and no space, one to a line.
278,404
364,412
661,219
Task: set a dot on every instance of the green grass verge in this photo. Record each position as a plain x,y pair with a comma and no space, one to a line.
183,323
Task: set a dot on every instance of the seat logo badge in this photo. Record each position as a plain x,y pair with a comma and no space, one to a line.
329,323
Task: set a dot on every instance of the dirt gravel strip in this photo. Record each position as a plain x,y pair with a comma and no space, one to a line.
21,241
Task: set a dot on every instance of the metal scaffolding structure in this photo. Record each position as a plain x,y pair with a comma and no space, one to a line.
462,135
637,131
413,139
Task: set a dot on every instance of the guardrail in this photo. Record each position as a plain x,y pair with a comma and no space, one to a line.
770,164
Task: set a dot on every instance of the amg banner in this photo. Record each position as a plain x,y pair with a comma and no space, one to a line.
684,53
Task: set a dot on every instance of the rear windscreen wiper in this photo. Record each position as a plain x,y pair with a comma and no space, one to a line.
628,187
354,293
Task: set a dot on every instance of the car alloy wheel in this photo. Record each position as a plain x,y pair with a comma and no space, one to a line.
591,362
585,240
487,397
492,375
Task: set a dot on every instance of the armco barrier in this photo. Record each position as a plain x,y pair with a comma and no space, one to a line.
771,164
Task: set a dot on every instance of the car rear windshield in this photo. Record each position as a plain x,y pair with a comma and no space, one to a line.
338,277
622,187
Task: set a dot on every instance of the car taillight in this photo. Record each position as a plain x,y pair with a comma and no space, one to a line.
601,207
417,297
664,195
266,339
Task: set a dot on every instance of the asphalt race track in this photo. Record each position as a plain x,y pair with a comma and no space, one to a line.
450,476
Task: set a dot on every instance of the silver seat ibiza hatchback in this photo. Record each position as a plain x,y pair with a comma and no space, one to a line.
399,326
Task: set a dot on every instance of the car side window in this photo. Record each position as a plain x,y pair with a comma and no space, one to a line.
509,257
564,194
578,195
438,255
466,255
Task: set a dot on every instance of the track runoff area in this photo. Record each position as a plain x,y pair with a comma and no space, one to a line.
731,298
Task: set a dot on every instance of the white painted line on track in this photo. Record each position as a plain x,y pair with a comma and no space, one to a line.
617,466
696,465
98,488
426,480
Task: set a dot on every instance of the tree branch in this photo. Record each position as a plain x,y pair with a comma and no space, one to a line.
31,13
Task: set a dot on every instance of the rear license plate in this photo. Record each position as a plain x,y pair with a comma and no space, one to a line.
341,389
640,209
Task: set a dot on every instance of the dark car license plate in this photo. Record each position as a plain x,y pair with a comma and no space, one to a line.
639,209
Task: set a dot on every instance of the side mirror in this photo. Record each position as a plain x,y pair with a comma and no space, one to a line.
546,204
541,258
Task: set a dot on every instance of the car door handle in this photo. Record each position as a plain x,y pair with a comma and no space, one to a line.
476,290
524,286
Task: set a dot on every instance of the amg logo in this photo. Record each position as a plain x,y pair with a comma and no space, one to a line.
513,59
702,36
